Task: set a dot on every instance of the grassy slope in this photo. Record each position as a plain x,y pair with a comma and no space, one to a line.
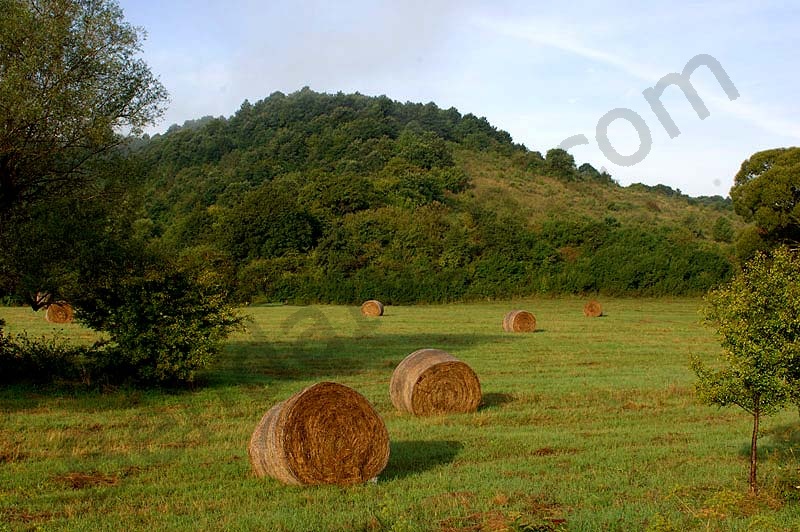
497,181
589,424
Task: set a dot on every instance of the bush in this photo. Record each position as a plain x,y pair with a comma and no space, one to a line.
723,230
164,321
42,360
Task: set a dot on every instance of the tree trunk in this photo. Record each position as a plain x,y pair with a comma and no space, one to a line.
754,450
7,185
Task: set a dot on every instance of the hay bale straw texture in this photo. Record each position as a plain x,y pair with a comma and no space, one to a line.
372,308
325,434
519,321
59,312
593,309
432,381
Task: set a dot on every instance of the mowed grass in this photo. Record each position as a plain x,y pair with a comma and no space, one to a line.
587,424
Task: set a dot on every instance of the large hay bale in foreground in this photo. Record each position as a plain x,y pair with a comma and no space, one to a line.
593,309
372,308
519,321
432,381
325,434
59,312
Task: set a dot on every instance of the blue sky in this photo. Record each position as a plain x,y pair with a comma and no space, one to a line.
541,71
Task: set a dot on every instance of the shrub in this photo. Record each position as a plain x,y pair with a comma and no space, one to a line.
723,230
164,321
42,360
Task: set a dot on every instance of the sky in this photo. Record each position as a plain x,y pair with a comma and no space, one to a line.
543,71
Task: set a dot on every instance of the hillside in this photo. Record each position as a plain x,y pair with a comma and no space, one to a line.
338,198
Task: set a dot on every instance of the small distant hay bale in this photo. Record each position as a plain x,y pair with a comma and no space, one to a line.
519,321
431,381
59,312
593,309
372,308
324,434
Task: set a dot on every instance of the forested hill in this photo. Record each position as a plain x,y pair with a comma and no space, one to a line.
339,198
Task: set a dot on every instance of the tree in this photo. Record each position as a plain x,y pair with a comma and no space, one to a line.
722,231
766,191
269,222
70,83
48,241
559,163
424,149
757,316
71,88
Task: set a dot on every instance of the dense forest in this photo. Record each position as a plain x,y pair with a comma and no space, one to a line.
312,197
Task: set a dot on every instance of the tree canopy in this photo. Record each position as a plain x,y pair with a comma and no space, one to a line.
766,192
70,82
71,86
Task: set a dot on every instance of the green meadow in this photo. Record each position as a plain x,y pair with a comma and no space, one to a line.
586,424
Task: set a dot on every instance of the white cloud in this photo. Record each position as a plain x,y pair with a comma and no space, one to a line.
561,38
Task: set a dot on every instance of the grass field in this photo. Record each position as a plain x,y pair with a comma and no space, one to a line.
587,424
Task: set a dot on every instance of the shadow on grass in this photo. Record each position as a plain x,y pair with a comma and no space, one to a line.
255,362
781,446
495,400
781,443
407,458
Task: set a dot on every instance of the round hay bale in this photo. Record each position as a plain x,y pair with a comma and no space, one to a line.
324,434
519,321
593,309
59,312
432,381
372,308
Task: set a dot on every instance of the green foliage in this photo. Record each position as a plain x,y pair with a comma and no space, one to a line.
662,190
722,230
424,149
43,360
560,163
71,77
269,222
766,192
164,320
70,81
750,241
337,198
50,240
757,317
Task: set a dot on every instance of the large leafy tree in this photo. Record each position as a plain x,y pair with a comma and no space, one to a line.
757,317
766,191
71,87
71,84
